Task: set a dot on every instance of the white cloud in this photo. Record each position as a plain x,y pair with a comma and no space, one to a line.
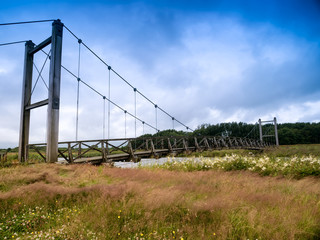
206,69
300,112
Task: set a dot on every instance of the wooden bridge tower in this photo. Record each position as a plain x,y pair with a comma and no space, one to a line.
53,100
274,121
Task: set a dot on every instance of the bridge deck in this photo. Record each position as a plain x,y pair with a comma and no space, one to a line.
130,149
124,156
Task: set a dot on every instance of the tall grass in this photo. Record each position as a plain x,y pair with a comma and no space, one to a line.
296,167
51,201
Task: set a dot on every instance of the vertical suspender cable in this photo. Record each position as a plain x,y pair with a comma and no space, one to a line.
135,112
116,73
109,68
78,87
173,123
142,128
104,117
77,116
125,124
156,106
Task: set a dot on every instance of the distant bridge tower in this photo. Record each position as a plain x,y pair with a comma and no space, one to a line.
274,121
53,100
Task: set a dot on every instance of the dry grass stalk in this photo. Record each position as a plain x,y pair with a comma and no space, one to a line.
165,204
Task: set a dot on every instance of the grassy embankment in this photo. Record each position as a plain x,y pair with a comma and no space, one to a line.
42,201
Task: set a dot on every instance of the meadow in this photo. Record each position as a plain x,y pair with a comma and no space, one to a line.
228,194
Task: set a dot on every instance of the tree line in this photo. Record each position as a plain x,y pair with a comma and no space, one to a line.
288,133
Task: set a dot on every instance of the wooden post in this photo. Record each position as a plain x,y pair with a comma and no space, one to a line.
153,150
184,145
107,149
26,100
170,146
276,131
70,153
103,150
79,149
260,130
54,92
132,156
196,144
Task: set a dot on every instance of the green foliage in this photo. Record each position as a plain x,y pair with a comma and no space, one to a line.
166,133
171,133
289,133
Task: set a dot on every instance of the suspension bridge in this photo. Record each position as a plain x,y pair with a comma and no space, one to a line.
105,149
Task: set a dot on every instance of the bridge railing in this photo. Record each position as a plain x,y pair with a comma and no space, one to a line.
108,150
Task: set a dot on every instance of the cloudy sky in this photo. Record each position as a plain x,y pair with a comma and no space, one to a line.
201,61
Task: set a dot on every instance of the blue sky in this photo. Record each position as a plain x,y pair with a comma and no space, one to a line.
202,61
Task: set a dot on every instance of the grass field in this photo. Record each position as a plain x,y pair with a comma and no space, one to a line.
51,201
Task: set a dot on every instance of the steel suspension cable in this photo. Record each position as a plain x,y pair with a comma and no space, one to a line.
10,43
149,100
251,130
97,92
113,103
109,67
27,22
